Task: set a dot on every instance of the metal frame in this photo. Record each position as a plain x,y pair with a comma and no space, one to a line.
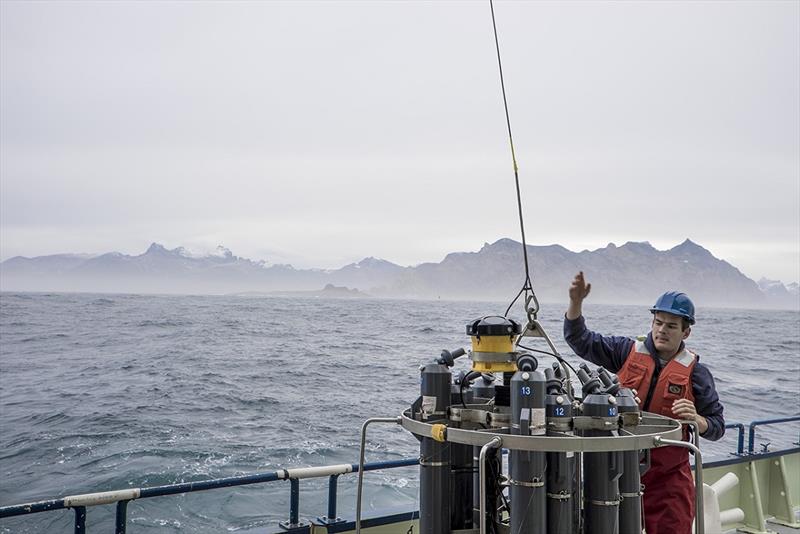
495,443
643,437
535,329
395,420
699,523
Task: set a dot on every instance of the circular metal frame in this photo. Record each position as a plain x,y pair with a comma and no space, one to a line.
642,436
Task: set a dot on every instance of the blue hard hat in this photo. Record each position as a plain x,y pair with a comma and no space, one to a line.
675,303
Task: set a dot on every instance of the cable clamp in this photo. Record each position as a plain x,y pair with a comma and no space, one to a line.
604,503
433,464
535,483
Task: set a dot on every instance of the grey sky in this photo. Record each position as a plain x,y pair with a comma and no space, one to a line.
317,133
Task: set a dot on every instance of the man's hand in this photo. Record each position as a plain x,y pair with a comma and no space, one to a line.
684,409
578,291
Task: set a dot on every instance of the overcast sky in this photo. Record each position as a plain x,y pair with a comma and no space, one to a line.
318,133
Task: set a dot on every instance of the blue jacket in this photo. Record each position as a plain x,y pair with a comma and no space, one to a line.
612,351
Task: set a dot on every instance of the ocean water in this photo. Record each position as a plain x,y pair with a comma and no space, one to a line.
101,392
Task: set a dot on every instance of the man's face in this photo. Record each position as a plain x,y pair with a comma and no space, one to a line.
668,333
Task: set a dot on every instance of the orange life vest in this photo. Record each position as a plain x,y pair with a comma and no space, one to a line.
674,382
668,501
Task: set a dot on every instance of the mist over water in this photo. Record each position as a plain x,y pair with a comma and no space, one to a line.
102,392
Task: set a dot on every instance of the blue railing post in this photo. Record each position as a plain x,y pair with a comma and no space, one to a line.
294,506
122,519
331,518
740,437
294,502
80,519
332,487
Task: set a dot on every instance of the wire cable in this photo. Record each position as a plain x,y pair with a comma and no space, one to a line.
527,285
556,356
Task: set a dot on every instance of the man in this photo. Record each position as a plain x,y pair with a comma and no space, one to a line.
669,380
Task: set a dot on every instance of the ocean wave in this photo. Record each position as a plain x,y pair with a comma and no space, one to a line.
8,452
164,323
244,399
49,418
159,390
44,337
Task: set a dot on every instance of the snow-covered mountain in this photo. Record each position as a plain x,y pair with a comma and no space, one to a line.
162,270
778,292
630,273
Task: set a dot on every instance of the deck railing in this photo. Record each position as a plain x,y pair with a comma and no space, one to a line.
752,441
80,503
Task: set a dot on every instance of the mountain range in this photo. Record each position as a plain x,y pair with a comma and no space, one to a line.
635,272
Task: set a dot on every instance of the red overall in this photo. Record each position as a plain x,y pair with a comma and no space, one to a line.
668,484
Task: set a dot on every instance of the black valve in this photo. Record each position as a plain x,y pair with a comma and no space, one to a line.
526,362
591,384
611,385
554,385
448,358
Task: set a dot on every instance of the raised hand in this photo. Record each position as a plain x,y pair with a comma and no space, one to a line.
579,289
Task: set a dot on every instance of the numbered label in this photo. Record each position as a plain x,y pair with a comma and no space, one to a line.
612,412
558,411
526,390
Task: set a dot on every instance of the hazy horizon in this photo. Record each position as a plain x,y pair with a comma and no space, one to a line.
320,133
200,252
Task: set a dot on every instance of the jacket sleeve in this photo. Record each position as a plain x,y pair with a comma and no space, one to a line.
608,351
706,402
